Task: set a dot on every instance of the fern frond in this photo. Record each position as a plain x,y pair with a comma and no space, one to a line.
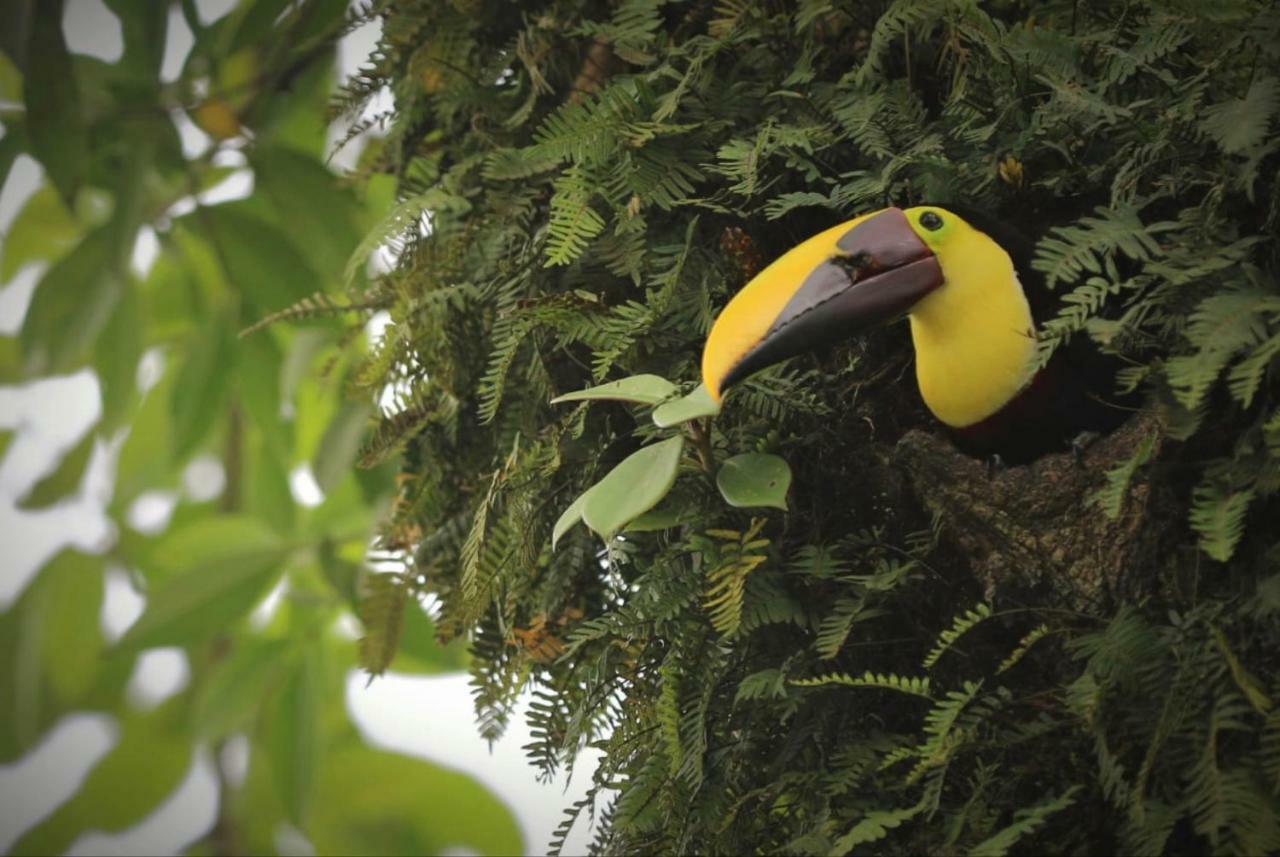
912,685
960,625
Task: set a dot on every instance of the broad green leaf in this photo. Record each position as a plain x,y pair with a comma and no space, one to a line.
210,573
259,365
140,771
10,84
754,479
268,496
633,487
430,810
293,732
661,518
71,638
201,387
568,518
262,263
71,305
234,688
319,215
697,404
145,460
64,480
339,444
420,651
115,358
42,232
143,27
644,389
55,125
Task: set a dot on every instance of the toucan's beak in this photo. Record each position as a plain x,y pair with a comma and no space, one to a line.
832,286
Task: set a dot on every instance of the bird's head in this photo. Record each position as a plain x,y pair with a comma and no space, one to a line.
926,261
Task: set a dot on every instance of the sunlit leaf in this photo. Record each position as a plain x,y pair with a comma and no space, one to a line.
339,444
643,389
65,479
754,479
201,387
71,305
211,573
233,690
293,732
420,651
69,592
41,232
697,404
430,810
139,772
115,358
633,487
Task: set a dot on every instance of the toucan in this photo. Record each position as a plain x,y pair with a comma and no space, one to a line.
973,303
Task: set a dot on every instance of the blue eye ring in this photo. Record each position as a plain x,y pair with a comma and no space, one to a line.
931,221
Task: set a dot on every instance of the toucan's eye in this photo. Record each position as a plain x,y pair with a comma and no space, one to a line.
931,221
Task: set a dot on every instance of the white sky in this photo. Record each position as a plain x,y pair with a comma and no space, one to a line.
430,717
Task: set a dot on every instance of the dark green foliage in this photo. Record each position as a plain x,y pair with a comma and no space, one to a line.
585,184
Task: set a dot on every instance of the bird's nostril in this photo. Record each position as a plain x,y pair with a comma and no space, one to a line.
857,266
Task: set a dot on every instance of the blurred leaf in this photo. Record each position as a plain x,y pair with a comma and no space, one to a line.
643,389
633,487
421,652
140,771
293,113
115,358
320,216
337,451
430,810
201,387
143,26
697,404
6,438
754,479
293,733
145,460
259,365
64,480
261,261
211,573
71,305
269,496
11,145
10,83
43,230
232,692
72,588
342,575
55,125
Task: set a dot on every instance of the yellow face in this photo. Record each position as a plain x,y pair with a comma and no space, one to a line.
974,337
970,321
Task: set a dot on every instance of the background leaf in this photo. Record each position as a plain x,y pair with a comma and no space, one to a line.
754,479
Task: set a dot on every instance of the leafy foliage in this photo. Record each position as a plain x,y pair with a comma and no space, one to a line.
603,177
227,363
